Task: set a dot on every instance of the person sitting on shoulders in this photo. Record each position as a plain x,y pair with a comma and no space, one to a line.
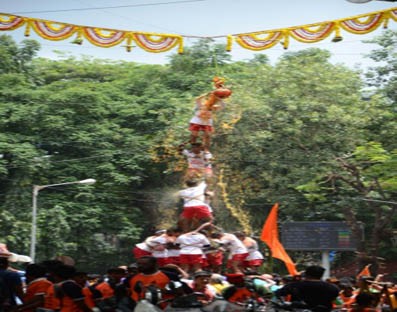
195,209
202,121
199,161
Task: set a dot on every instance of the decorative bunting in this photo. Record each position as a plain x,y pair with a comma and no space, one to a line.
393,14
312,33
102,37
10,22
156,43
53,31
363,24
261,41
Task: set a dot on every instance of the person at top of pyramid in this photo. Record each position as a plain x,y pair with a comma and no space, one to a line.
206,104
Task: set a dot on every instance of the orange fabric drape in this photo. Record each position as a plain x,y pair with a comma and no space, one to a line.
270,237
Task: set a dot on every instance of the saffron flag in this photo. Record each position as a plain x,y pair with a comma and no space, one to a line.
270,237
365,271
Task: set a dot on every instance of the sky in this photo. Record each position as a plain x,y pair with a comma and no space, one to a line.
198,18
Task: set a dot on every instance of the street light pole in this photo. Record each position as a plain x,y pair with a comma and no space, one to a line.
36,189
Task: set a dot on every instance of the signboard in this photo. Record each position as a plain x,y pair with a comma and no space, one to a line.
318,235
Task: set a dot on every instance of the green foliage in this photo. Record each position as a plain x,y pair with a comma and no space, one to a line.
15,59
296,116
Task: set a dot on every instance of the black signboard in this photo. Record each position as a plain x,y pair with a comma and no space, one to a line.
319,235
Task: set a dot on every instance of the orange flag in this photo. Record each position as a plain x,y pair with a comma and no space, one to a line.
365,271
270,237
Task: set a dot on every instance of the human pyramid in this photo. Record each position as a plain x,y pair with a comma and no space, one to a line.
196,243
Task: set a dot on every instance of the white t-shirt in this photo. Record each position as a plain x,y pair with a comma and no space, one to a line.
173,252
201,121
254,255
158,244
194,196
235,245
198,161
144,246
253,250
191,243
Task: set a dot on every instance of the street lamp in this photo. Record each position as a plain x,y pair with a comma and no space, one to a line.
36,189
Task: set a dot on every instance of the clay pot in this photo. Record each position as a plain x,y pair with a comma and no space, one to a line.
222,93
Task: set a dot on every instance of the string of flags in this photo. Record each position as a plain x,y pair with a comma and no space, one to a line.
157,42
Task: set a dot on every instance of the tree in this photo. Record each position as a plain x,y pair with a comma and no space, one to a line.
383,76
361,181
291,124
80,119
363,186
14,58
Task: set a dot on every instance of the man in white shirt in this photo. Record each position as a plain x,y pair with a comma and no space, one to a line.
145,248
202,120
237,251
195,209
158,245
255,258
199,161
191,253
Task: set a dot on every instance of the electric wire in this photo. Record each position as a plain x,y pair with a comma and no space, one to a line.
111,7
129,19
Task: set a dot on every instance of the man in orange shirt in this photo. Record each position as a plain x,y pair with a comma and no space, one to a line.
103,294
37,286
90,293
65,293
108,286
149,275
237,292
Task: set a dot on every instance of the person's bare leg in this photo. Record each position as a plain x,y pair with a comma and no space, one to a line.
206,141
183,224
193,136
236,267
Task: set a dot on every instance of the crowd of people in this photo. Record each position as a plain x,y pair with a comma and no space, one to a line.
54,286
